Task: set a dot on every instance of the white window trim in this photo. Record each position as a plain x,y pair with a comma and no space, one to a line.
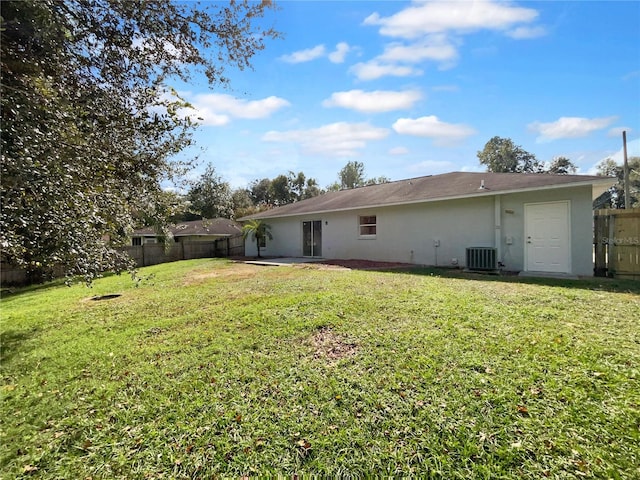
360,225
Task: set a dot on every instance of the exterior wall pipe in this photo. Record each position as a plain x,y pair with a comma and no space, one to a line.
497,215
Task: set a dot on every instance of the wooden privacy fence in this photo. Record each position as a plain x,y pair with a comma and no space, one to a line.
155,253
617,243
149,254
230,246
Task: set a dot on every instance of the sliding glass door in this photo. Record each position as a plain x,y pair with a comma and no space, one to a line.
312,238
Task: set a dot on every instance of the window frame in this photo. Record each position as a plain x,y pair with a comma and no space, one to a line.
364,221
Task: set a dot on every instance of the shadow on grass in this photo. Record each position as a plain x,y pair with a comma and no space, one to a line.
9,293
11,342
595,283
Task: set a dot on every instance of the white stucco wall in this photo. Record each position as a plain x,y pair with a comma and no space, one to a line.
404,233
581,229
407,233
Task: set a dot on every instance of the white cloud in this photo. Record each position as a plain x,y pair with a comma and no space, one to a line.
304,55
339,54
436,48
375,101
372,70
617,131
215,109
524,32
633,150
393,61
398,151
569,127
434,30
207,118
456,16
340,139
442,133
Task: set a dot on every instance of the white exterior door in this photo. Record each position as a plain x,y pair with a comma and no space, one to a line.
547,240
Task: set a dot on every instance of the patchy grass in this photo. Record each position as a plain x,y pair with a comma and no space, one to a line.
211,368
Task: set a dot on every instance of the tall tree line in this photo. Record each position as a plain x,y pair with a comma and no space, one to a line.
210,196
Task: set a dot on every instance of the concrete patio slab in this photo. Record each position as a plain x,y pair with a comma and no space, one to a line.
279,262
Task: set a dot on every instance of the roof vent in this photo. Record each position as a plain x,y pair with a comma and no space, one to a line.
482,187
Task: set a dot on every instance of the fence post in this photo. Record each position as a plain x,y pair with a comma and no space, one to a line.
600,248
611,250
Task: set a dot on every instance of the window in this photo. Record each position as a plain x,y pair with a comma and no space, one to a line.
136,241
262,243
367,226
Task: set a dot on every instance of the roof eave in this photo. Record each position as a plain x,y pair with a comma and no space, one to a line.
485,193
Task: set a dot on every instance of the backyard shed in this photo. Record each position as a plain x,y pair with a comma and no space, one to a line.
481,221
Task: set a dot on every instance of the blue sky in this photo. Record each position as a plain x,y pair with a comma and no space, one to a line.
417,88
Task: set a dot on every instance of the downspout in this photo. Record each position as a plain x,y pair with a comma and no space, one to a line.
497,218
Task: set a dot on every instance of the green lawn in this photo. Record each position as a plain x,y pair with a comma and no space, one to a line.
210,368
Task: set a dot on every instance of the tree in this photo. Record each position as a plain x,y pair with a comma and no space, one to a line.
281,193
260,192
377,181
311,189
333,187
258,230
297,184
561,166
302,187
283,189
352,175
210,196
502,155
242,204
608,168
89,123
614,196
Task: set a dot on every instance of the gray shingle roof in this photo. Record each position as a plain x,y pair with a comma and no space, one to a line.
426,189
214,226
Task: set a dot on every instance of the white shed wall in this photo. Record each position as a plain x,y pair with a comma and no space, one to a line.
581,229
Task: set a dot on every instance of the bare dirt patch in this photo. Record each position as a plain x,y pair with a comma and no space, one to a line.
235,270
331,346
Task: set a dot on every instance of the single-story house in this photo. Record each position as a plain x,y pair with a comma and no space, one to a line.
486,221
193,231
